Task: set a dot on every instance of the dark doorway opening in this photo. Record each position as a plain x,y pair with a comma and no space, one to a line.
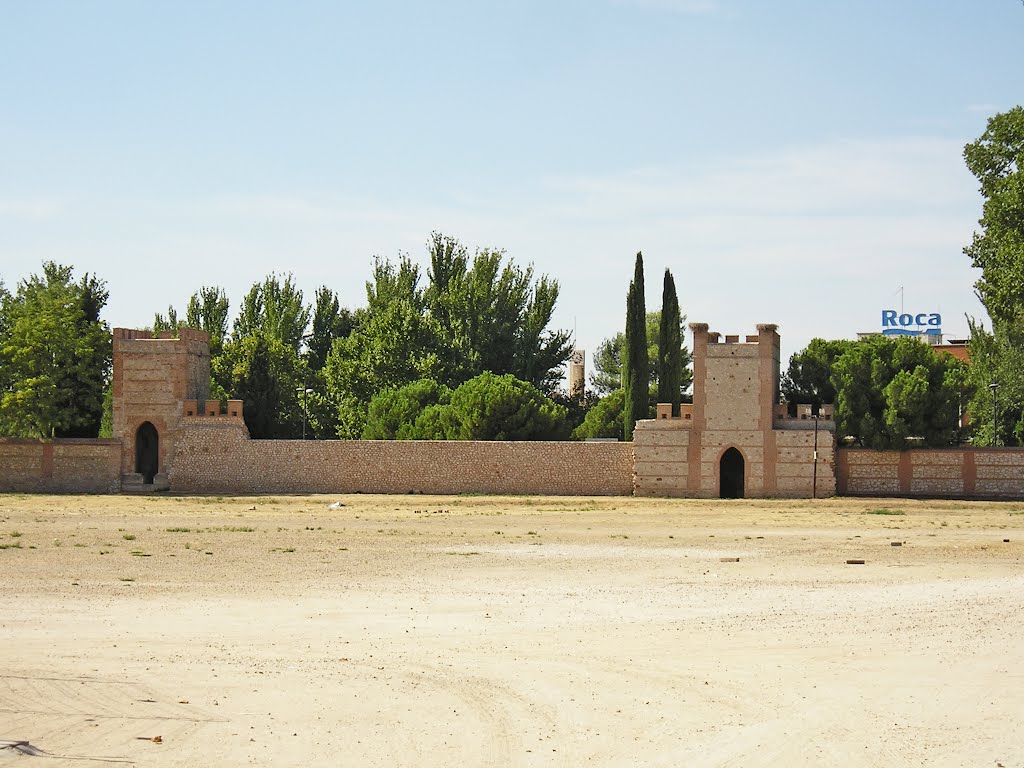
147,452
731,475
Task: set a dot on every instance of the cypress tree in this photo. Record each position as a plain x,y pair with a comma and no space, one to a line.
670,353
635,364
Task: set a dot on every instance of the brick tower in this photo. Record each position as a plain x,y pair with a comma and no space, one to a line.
153,379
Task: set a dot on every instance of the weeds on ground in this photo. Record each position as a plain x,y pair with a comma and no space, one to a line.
884,511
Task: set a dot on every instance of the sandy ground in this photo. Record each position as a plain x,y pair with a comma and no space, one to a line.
510,631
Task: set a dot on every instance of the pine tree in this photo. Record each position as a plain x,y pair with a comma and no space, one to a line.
635,365
670,353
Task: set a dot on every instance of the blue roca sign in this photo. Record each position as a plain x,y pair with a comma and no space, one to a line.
905,324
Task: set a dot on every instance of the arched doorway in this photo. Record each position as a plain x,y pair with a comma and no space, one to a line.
731,475
147,452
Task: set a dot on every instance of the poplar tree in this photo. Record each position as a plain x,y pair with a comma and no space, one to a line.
635,363
670,353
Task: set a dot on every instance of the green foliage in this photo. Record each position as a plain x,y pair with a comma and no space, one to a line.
391,346
492,407
392,413
274,309
808,379
207,310
606,364
330,321
493,316
890,389
473,316
487,407
636,362
169,323
997,160
267,374
604,419
54,355
261,362
107,419
996,357
670,343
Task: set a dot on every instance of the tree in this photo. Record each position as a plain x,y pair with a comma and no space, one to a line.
995,358
273,308
635,362
492,407
472,316
890,389
392,413
267,375
670,358
997,160
809,378
606,373
265,341
391,346
54,355
494,315
330,321
604,419
169,323
207,310
606,365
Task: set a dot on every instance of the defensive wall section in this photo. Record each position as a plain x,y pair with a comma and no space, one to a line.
953,473
217,456
68,465
735,439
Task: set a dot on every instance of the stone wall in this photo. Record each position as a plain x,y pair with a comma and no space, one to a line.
60,466
151,379
217,456
674,460
961,473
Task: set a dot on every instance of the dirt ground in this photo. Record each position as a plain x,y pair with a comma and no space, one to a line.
510,631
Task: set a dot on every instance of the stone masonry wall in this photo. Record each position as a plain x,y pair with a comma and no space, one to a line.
60,466
670,461
217,456
959,473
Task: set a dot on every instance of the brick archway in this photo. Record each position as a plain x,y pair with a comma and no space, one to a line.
147,452
731,475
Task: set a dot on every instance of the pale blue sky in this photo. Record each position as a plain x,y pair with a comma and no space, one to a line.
791,162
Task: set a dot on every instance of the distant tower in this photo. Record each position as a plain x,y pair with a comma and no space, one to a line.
577,371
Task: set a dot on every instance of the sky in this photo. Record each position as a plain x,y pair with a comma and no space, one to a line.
795,162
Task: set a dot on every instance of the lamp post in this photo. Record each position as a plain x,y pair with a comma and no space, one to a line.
305,393
814,474
995,440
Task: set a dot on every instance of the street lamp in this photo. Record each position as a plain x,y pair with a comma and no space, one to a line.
814,474
994,386
305,393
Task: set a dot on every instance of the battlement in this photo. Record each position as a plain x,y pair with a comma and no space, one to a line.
182,334
212,409
765,331
663,412
804,416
